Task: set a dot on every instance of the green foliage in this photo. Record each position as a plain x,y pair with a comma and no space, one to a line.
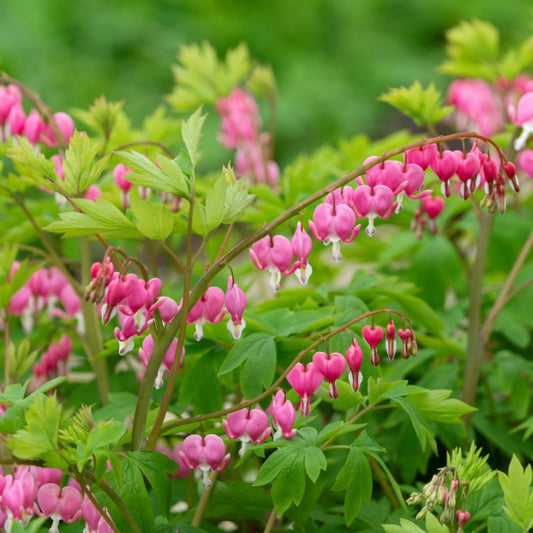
80,168
201,77
474,50
517,490
101,117
424,106
99,216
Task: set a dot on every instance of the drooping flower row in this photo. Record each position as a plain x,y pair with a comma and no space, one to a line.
36,491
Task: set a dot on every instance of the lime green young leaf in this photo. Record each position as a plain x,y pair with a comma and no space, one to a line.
438,406
473,49
191,131
424,106
516,61
201,78
100,216
101,116
34,167
168,178
433,524
237,198
406,526
215,200
262,81
155,222
79,166
38,439
199,221
517,490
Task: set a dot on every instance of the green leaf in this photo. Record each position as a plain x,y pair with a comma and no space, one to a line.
254,345
406,526
96,217
315,461
237,198
433,524
79,166
518,494
169,178
35,167
215,200
133,491
473,49
355,477
38,439
191,131
258,370
262,81
438,406
289,485
101,116
155,466
277,462
154,221
424,106
201,78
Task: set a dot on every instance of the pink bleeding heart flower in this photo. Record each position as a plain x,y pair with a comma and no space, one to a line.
59,504
167,307
16,120
205,454
334,223
283,415
251,159
126,333
301,246
173,453
433,207
467,171
523,117
422,155
305,381
354,358
414,175
445,165
340,196
209,308
462,517
64,124
119,173
235,304
247,425
34,126
331,366
391,339
140,299
373,335
240,118
275,255
119,288
510,170
405,336
389,173
146,352
477,106
372,202
10,97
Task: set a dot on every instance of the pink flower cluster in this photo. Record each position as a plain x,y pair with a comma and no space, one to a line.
276,253
135,301
53,362
214,304
305,380
44,289
241,125
13,120
247,425
36,491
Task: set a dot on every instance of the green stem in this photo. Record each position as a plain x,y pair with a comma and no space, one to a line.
93,333
384,483
204,498
475,344
160,145
271,521
162,344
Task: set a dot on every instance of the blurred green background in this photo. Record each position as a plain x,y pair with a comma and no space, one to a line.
332,58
